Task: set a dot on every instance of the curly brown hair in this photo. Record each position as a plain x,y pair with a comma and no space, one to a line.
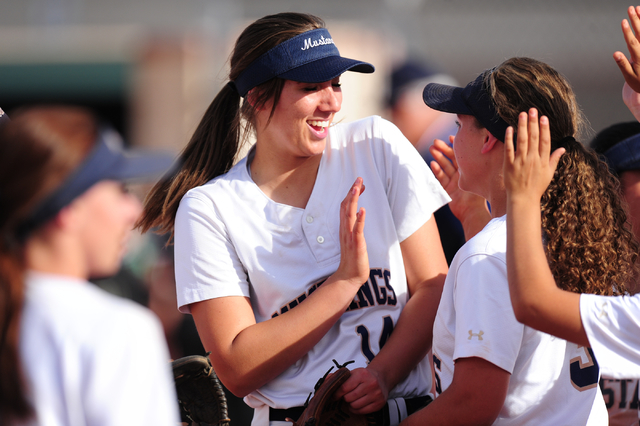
588,240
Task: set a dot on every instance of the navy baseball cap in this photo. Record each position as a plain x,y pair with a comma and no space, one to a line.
474,99
108,160
310,57
624,155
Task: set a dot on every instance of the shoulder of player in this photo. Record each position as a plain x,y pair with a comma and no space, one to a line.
491,242
372,127
218,191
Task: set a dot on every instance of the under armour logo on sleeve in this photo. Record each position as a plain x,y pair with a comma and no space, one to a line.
478,335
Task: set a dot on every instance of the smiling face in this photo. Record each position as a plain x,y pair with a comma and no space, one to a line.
300,123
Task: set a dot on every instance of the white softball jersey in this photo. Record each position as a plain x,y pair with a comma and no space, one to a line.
612,325
621,400
93,359
232,240
553,382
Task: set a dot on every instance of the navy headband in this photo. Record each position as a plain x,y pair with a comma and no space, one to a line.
624,155
310,57
107,161
474,99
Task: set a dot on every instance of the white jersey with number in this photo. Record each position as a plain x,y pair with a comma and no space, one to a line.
233,240
553,382
621,399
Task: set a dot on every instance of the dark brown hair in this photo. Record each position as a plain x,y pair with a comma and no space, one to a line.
39,147
589,244
214,145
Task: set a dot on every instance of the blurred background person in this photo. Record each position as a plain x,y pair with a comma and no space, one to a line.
70,353
422,125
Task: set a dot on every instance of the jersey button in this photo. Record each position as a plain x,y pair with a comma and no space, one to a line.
309,219
320,239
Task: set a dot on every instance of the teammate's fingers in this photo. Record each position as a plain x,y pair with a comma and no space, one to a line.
444,155
555,158
533,132
545,138
444,147
630,68
509,156
445,166
348,210
523,137
627,71
439,174
633,18
358,227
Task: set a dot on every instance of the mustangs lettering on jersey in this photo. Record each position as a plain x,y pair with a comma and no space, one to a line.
377,290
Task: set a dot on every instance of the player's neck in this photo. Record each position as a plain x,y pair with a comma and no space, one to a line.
291,185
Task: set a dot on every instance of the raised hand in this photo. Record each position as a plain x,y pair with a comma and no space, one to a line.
529,170
470,209
630,67
354,259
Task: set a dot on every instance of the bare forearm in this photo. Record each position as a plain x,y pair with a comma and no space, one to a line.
536,299
411,338
248,355
466,401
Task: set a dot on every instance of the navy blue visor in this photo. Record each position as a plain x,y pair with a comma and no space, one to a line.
474,99
107,161
310,57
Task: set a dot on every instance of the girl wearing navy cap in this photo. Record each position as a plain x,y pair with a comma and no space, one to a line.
71,354
273,256
490,368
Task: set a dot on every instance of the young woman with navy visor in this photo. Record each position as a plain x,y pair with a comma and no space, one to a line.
273,256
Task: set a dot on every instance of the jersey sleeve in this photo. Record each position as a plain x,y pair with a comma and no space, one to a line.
413,191
612,325
201,275
486,326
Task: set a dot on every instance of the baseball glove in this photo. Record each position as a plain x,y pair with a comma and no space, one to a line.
200,394
324,410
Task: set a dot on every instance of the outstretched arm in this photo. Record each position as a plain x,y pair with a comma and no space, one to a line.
470,209
630,68
537,301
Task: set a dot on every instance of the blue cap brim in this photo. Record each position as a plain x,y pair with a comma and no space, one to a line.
310,57
445,98
107,161
474,99
326,69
